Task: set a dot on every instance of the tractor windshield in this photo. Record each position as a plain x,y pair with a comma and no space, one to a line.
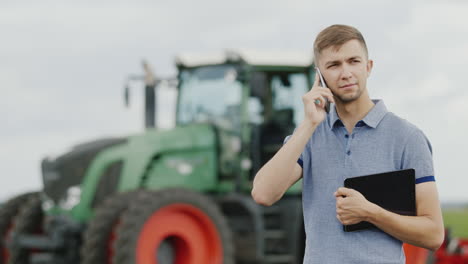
210,94
276,97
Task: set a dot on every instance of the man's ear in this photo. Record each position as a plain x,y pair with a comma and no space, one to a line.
370,64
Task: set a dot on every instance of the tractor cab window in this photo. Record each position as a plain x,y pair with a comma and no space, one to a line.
276,98
210,94
287,91
278,109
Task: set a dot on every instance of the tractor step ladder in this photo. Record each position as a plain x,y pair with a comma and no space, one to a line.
277,249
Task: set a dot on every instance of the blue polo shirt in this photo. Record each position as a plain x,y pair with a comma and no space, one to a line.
380,142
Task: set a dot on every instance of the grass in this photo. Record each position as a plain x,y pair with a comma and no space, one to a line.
457,221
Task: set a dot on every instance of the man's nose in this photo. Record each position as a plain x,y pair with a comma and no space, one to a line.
346,72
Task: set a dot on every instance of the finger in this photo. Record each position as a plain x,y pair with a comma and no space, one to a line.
319,96
350,221
319,89
340,212
328,94
320,101
342,191
339,192
313,98
338,195
339,202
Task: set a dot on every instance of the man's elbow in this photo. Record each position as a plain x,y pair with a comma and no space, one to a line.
434,246
436,240
261,199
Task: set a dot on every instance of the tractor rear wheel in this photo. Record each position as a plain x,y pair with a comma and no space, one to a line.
173,226
99,236
8,211
28,221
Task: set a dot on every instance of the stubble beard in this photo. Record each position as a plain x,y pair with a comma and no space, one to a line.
346,99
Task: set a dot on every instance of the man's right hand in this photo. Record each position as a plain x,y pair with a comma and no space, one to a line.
315,113
282,170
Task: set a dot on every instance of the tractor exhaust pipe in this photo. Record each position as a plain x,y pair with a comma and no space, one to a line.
150,93
150,96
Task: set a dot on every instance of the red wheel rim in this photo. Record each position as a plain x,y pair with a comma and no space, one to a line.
194,236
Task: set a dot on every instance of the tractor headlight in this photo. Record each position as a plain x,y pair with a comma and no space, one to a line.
72,198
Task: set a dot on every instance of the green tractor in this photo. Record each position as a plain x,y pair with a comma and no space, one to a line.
180,195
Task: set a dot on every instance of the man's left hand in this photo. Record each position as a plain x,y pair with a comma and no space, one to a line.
352,207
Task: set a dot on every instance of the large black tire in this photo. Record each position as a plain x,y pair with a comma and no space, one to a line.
28,221
100,232
8,211
159,224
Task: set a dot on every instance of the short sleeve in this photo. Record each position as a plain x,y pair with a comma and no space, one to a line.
417,155
300,161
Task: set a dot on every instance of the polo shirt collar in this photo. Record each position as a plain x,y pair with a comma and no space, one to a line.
333,117
372,119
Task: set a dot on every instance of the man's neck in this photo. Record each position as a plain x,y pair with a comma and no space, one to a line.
353,112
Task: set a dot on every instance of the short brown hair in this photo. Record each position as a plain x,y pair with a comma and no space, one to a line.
336,36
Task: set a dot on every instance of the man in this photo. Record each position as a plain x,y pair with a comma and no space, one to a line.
358,137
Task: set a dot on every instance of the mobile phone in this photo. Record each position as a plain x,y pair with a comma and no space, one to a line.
323,84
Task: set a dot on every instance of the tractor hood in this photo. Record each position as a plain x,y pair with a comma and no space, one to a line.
69,169
137,151
154,147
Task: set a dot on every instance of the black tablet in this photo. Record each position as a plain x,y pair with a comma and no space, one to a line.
393,191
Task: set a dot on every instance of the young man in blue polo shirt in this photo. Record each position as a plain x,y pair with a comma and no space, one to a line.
358,137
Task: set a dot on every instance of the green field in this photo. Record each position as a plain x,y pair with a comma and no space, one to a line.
457,221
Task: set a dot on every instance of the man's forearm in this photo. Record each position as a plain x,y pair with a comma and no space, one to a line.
274,178
421,231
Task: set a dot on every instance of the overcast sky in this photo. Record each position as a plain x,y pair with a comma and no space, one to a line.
63,66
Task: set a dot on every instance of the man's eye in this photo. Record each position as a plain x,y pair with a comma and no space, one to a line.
331,66
356,61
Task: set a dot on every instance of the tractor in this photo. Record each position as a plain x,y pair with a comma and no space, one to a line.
178,195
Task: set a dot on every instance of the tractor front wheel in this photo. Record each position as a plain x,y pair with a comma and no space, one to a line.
173,226
99,237
8,212
28,221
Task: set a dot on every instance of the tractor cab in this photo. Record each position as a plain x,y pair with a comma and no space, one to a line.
252,98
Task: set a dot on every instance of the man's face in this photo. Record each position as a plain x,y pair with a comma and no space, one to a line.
345,70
